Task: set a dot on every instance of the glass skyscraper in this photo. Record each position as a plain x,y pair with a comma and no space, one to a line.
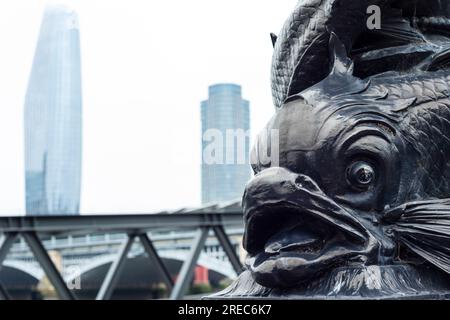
53,110
225,114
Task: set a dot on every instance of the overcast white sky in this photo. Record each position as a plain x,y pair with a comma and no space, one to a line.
146,67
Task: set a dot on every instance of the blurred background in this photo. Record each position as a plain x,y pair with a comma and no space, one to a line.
116,111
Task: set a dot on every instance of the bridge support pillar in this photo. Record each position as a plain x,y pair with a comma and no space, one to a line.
187,269
4,293
156,260
5,245
112,277
48,266
228,247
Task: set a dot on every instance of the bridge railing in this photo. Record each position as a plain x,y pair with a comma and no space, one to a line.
102,239
34,229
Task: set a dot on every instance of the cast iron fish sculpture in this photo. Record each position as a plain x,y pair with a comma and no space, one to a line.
358,201
301,53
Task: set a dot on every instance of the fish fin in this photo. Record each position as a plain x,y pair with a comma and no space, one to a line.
402,105
424,228
400,30
340,82
396,31
438,61
342,64
274,39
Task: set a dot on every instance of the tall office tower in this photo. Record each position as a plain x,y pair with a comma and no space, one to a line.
225,166
53,107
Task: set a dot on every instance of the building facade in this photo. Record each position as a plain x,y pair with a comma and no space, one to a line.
225,120
52,118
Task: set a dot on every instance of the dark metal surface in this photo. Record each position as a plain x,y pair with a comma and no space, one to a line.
358,204
301,58
5,245
4,295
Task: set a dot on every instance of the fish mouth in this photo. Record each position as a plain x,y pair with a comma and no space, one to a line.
296,247
298,238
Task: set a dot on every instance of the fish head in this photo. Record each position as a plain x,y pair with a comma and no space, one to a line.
317,205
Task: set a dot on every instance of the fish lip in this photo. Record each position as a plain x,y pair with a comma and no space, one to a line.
290,266
290,269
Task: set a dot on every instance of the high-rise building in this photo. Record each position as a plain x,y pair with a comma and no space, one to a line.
226,142
53,110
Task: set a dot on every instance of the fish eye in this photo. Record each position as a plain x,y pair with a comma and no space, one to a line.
360,175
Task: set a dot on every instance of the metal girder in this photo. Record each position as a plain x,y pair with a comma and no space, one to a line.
228,248
117,223
48,266
157,261
187,269
31,226
4,293
113,275
5,245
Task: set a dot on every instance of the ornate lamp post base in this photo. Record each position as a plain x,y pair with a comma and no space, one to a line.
373,282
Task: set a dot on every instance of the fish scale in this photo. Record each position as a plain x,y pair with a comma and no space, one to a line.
301,54
306,31
426,122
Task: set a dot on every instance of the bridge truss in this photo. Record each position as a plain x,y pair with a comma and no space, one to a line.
34,229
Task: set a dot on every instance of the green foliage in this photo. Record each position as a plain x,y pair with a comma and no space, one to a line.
200,289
